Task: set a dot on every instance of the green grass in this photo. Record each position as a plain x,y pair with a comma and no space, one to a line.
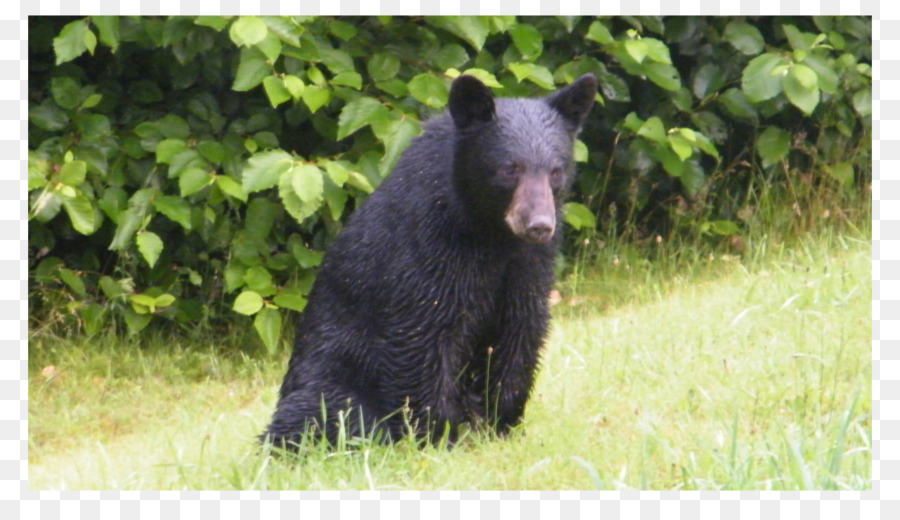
691,371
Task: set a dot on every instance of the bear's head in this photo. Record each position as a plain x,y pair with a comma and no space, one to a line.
513,160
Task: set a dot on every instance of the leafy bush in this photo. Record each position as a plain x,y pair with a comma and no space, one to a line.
184,167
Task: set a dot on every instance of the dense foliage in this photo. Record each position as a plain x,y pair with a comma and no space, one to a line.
184,167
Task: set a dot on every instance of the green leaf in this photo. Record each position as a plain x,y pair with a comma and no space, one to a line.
212,151
175,209
113,203
142,303
613,87
681,146
637,49
357,114
473,29
108,27
657,51
841,172
263,170
164,300
260,217
579,216
172,126
773,145
653,130
231,187
290,298
348,79
185,160
501,23
271,47
337,172
66,92
258,279
429,90
215,22
307,258
132,218
315,75
760,81
737,104
706,146
799,41
599,33
484,76
580,151
537,74
90,41
664,75
708,78
307,183
633,122
342,30
71,279
81,212
295,206
268,325
294,85
723,227
397,138
38,170
285,28
744,37
193,180
692,177
110,287
275,90
73,173
837,40
827,78
136,322
167,149
528,40
315,97
150,246
335,198
669,160
862,102
48,116
248,303
451,56
337,60
72,41
805,76
801,88
252,70
247,31
91,101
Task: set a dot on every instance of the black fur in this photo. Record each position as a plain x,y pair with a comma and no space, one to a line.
428,309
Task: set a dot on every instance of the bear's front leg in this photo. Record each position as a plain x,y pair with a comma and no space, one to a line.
513,359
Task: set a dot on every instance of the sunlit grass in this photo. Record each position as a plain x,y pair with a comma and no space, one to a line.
684,372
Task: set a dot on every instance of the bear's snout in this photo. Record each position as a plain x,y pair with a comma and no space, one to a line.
532,212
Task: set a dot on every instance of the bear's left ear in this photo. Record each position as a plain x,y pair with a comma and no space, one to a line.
574,101
470,102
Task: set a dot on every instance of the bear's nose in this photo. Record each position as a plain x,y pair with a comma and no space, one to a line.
539,231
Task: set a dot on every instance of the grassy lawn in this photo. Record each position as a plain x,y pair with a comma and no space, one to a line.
713,373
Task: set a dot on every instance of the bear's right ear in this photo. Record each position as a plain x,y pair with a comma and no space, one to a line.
575,101
470,102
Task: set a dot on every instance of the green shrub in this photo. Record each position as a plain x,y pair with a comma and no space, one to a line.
183,168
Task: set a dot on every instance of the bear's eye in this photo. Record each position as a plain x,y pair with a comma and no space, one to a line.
556,173
511,170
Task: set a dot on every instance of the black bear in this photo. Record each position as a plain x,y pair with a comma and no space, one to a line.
430,309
